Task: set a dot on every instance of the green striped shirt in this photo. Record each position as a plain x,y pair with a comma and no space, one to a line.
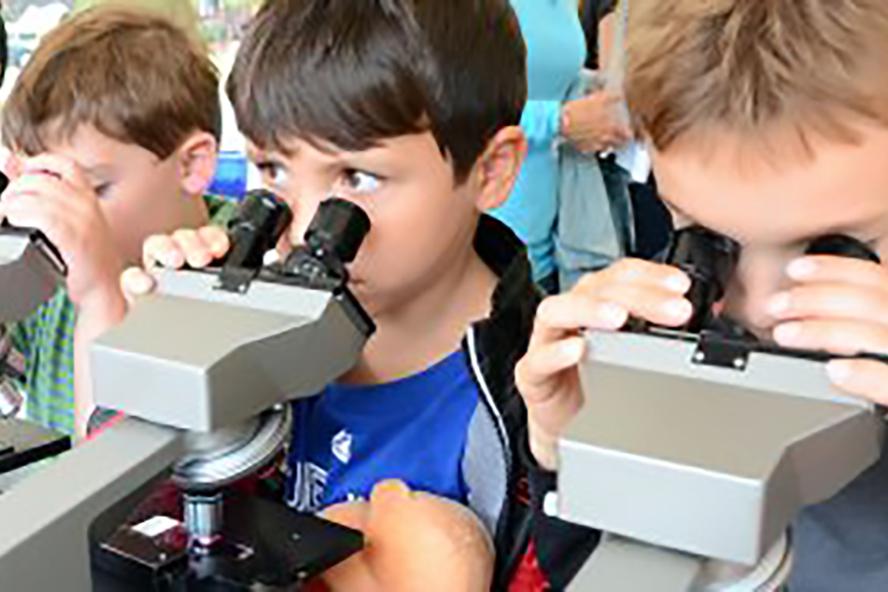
46,342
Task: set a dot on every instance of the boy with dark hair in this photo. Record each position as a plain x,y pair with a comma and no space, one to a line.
768,122
409,108
113,125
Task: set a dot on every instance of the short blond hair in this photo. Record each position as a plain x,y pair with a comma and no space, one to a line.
749,66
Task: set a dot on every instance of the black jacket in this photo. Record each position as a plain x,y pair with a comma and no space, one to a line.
505,485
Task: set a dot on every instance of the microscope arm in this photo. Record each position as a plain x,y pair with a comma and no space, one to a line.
46,519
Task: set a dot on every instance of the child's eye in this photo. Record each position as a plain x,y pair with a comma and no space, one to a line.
361,182
273,174
102,190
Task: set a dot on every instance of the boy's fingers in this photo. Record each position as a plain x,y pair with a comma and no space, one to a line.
216,240
563,314
135,282
161,250
196,253
831,300
843,337
46,187
842,270
639,272
604,300
541,364
62,167
650,304
31,210
864,378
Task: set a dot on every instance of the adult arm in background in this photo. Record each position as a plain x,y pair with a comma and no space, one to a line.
606,28
592,123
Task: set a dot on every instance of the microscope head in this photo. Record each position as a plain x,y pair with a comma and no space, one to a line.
705,439
216,347
31,269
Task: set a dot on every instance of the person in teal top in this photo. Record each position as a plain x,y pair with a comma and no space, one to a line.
556,52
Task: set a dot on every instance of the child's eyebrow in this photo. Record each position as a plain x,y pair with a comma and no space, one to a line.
375,156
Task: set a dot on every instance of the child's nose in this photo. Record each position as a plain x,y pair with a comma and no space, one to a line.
304,208
759,277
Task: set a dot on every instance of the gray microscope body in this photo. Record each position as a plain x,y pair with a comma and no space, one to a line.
697,447
203,371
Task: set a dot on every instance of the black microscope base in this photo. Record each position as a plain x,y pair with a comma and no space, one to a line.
266,547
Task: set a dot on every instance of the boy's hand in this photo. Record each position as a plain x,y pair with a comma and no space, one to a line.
197,248
52,194
839,305
547,375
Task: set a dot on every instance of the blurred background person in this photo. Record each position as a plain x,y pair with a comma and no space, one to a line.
556,55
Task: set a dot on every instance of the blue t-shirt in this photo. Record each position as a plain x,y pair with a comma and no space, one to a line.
349,438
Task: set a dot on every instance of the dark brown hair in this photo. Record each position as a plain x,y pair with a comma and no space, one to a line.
133,75
349,73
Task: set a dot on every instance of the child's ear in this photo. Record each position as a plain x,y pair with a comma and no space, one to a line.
197,162
497,169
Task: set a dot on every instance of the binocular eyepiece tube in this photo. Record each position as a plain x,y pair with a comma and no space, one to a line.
332,240
711,259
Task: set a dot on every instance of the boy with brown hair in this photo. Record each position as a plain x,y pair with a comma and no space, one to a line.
410,109
113,125
768,123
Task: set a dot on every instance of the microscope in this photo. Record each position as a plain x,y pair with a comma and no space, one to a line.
698,446
31,271
202,373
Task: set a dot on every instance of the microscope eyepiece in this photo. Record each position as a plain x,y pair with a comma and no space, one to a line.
710,260
339,228
332,241
260,222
